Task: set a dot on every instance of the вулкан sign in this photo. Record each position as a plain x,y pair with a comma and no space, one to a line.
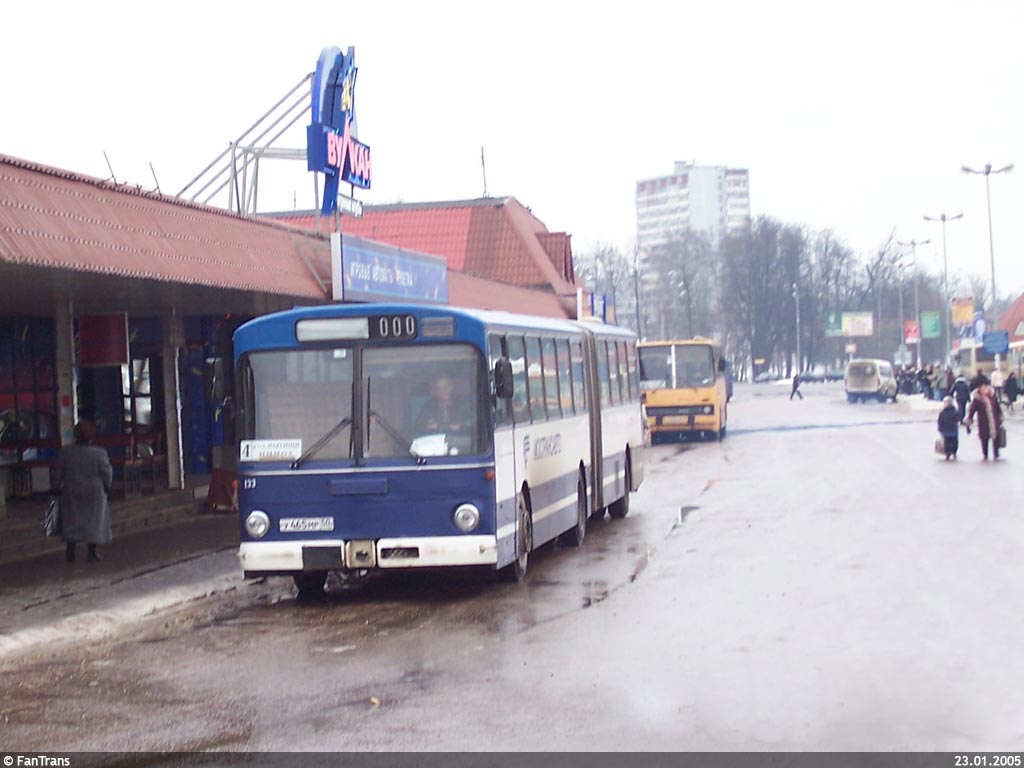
331,144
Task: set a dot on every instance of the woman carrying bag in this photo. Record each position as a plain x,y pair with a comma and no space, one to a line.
81,479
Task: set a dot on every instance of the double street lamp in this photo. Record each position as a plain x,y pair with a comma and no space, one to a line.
986,172
917,303
947,308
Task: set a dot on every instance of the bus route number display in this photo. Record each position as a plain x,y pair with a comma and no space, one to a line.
392,327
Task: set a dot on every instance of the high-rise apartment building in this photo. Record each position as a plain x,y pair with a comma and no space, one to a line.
710,199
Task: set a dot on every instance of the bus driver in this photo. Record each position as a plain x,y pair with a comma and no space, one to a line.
441,413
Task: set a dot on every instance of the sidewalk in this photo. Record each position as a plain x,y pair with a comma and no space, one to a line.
47,600
21,521
164,552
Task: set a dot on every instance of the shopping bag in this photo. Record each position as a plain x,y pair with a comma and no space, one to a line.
1001,437
51,524
940,445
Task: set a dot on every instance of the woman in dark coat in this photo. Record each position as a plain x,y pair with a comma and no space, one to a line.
81,477
990,417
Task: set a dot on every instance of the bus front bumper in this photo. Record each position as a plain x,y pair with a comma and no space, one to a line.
290,557
681,423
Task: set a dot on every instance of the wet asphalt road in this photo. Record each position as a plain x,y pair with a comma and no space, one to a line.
818,581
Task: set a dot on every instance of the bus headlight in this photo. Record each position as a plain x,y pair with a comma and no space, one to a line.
257,524
708,409
466,517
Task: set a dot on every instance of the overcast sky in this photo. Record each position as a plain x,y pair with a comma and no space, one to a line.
851,116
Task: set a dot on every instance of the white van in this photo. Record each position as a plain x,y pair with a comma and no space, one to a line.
870,379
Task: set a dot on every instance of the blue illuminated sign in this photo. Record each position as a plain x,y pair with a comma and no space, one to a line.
331,144
372,271
996,342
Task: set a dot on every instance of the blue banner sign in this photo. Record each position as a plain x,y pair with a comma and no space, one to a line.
996,342
365,270
331,144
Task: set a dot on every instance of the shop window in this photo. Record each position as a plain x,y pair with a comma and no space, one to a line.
28,396
137,394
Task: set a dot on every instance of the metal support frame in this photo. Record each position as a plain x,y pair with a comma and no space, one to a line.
236,169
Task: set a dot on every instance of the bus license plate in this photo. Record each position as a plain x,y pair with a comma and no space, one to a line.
676,420
306,524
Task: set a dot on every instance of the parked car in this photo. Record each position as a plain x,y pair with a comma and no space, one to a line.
764,377
870,380
812,377
835,374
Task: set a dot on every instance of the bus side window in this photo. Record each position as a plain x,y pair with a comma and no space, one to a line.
551,396
520,402
579,390
634,384
564,376
624,372
501,407
538,411
613,371
602,371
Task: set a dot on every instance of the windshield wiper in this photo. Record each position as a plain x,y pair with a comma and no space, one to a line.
319,444
393,433
388,427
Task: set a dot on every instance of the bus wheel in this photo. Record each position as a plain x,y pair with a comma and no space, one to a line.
524,543
310,585
574,536
620,507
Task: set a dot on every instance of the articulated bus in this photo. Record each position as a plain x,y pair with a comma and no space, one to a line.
685,388
390,436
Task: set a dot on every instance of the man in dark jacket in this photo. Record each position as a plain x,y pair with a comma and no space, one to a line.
796,387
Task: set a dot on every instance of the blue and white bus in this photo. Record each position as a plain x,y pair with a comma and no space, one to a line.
386,436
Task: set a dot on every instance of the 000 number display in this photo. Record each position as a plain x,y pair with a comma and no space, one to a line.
392,327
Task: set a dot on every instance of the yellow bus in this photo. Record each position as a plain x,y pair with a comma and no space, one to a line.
684,385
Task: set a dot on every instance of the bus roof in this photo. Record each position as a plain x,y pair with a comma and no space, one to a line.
699,340
277,330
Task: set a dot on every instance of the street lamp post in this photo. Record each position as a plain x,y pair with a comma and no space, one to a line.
917,303
947,324
796,299
988,199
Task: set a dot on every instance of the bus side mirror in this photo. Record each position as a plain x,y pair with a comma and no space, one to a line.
213,372
503,378
721,365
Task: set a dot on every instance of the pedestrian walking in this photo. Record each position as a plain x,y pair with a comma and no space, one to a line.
996,382
990,418
81,477
962,395
1011,389
949,428
796,387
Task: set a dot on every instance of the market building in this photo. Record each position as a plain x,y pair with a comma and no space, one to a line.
118,304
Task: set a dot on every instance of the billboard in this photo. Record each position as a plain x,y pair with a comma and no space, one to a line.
858,324
833,325
847,324
963,311
930,325
911,332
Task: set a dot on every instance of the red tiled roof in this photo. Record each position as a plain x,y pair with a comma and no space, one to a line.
1013,318
53,218
476,292
495,238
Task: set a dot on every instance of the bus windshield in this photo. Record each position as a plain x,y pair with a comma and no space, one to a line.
408,392
676,366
